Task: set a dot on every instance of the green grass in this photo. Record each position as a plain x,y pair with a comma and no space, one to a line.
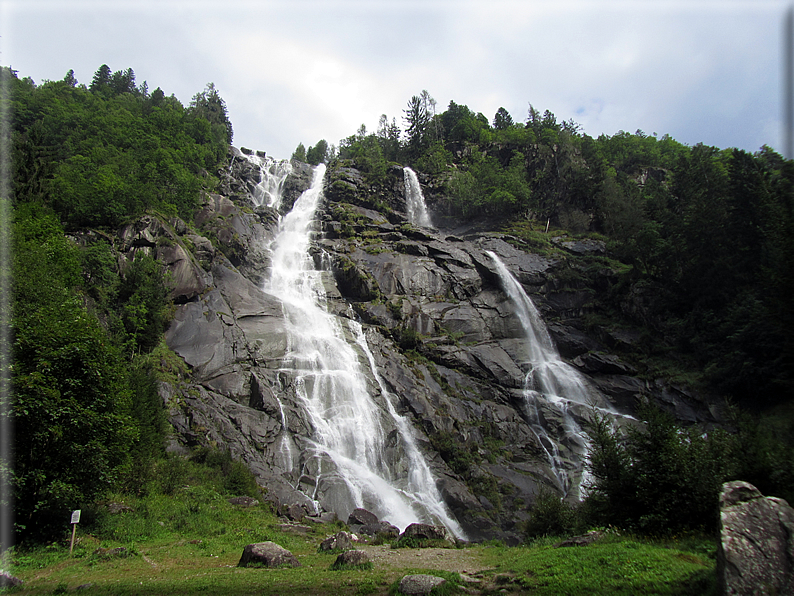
190,543
614,566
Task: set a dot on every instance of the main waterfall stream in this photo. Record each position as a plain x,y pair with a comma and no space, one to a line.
325,359
553,390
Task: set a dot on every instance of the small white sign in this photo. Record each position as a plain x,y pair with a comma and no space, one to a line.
76,516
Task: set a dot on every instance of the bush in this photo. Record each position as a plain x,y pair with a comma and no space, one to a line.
658,479
550,516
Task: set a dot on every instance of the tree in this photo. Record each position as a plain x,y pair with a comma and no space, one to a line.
101,80
70,404
502,120
123,81
317,154
658,478
69,78
210,105
417,118
389,138
299,153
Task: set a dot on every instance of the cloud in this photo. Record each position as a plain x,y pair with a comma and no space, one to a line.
298,71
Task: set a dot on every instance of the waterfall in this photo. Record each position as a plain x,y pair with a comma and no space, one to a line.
274,173
348,453
415,200
421,484
552,390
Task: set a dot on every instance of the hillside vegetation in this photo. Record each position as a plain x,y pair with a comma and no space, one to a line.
701,238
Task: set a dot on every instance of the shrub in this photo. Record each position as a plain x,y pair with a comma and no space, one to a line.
660,478
550,516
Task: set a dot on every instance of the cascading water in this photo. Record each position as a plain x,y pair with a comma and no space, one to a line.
349,456
421,485
274,173
553,386
415,200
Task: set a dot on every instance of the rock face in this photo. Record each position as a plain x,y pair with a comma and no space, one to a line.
448,352
756,550
267,554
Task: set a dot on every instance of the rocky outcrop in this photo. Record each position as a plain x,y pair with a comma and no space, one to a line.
352,559
9,581
419,584
756,548
267,554
425,532
448,349
339,541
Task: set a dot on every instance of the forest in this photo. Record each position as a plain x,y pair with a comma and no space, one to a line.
706,230
705,235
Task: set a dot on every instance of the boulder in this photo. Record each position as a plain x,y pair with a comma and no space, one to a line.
383,528
295,512
267,554
352,558
361,517
9,581
114,508
339,541
756,549
588,538
419,584
244,501
425,532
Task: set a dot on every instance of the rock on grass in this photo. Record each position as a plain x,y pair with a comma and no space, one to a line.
267,554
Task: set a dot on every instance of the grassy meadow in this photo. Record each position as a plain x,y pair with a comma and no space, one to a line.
190,543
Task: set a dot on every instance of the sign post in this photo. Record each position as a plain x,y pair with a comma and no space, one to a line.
75,521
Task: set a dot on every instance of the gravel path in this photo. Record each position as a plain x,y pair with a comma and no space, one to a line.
463,560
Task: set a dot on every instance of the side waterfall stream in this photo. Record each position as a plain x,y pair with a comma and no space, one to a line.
415,200
551,386
351,419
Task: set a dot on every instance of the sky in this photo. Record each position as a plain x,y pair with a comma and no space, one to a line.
297,71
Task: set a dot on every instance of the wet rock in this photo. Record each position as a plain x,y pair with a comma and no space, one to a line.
425,532
267,554
383,528
603,363
361,517
756,549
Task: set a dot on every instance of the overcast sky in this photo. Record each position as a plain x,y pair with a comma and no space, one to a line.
295,71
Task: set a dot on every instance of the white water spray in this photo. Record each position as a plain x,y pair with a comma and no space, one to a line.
551,384
349,458
421,485
415,200
274,173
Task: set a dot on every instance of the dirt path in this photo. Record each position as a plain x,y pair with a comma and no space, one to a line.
462,560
